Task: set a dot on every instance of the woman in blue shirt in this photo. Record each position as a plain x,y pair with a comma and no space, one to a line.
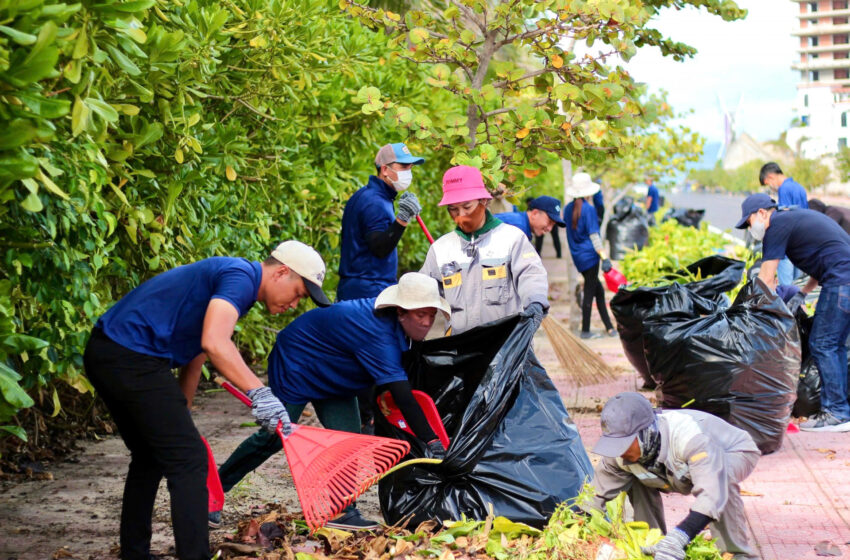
586,250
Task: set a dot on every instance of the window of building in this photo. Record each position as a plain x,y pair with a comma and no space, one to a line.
815,76
839,21
842,143
840,54
806,100
813,41
844,120
839,4
815,55
840,74
813,7
839,39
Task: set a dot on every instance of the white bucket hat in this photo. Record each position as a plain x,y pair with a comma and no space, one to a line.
582,186
413,291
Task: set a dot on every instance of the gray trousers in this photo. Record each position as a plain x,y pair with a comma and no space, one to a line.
730,530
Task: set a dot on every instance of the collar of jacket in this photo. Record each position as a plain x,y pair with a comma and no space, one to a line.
490,222
383,187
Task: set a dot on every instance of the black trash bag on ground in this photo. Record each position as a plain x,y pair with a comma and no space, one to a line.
808,390
719,275
632,308
688,217
513,445
628,228
741,364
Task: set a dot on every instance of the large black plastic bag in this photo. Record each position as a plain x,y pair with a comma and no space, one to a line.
628,228
740,363
513,444
688,217
719,275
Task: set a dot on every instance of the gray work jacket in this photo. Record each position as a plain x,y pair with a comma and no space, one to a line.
694,447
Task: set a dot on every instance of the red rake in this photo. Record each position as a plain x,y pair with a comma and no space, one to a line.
214,489
330,468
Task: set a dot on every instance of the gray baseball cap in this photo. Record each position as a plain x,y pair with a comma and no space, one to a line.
623,416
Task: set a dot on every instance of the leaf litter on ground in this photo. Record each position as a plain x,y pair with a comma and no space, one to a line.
574,532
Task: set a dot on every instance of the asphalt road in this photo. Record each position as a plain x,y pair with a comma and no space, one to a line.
721,210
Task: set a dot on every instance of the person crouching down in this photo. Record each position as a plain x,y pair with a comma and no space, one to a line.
327,355
646,453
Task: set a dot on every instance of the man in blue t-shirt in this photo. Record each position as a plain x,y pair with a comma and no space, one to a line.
179,319
653,199
543,215
790,195
371,228
326,356
821,249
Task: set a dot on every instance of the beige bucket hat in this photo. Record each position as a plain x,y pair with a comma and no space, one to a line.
582,186
413,291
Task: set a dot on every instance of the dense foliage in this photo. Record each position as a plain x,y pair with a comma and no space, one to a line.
808,172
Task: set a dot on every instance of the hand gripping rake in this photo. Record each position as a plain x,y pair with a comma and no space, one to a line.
331,468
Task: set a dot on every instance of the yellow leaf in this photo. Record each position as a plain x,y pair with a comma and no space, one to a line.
137,35
556,61
522,133
393,16
531,173
193,120
258,42
178,155
51,186
230,173
127,109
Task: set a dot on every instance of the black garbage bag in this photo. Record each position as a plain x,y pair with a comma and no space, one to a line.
513,445
627,229
741,363
688,217
719,275
808,390
632,308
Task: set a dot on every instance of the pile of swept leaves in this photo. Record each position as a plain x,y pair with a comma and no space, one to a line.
277,535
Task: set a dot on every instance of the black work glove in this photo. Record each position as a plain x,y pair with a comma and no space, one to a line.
796,301
268,410
408,207
436,449
671,547
536,312
606,265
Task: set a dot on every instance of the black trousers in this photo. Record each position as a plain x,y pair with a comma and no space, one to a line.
593,289
150,411
556,241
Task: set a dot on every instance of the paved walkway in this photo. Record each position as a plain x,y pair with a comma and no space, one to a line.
795,498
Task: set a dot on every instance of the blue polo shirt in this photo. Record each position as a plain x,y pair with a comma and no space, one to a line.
599,205
517,219
792,193
814,243
581,247
361,273
653,192
164,316
333,352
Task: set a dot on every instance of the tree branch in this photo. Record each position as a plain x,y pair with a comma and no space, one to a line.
527,76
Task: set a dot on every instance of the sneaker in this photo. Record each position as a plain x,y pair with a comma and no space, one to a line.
588,334
214,519
825,421
612,332
351,520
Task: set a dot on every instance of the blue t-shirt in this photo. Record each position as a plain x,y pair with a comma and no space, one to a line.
653,192
164,316
599,205
581,247
517,219
335,351
361,273
814,243
792,193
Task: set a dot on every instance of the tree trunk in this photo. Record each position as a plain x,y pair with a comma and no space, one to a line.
572,273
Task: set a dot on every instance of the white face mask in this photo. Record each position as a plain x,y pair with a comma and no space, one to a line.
405,177
757,229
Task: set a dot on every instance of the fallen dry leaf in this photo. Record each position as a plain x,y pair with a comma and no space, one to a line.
748,493
825,450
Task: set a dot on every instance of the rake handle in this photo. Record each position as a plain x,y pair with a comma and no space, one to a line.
425,229
230,388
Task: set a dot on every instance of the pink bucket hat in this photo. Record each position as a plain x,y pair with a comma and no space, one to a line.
463,183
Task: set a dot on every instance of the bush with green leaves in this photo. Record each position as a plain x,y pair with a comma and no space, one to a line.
140,135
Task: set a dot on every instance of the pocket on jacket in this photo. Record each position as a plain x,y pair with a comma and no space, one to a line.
496,282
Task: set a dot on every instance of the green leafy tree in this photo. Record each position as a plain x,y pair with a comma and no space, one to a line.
810,173
525,91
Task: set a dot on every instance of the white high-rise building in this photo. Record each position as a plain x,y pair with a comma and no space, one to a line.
823,92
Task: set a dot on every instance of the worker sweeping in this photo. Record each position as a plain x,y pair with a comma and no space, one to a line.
179,319
326,355
488,269
646,453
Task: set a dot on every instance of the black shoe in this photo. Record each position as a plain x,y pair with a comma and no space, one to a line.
214,519
351,520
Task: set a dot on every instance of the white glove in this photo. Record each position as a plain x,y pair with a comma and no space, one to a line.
671,547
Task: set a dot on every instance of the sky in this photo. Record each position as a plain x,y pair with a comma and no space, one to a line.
749,59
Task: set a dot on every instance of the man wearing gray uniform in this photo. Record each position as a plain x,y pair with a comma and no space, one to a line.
646,453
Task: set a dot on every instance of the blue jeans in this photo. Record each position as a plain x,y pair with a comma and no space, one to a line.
786,272
828,344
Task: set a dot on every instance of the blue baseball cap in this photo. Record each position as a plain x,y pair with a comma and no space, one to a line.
550,205
396,153
751,204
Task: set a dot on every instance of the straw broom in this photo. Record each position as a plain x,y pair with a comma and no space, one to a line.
583,365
